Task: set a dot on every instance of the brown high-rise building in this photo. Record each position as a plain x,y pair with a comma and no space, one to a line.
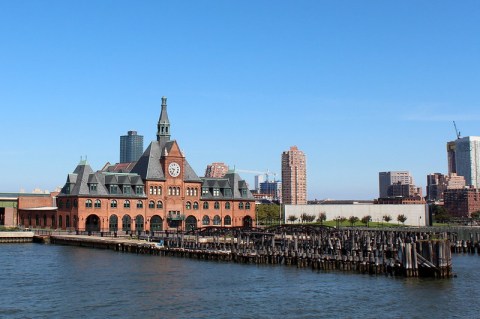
216,170
294,177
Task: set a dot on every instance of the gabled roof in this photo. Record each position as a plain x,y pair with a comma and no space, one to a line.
231,181
148,165
83,171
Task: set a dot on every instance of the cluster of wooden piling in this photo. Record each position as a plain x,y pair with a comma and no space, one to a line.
380,252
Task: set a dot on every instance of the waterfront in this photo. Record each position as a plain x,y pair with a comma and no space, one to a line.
48,281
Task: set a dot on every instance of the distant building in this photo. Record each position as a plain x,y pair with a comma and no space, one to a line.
131,147
462,202
438,183
404,190
387,179
258,180
216,170
272,189
467,159
452,167
294,177
37,210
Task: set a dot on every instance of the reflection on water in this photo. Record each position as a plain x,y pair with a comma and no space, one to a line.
45,281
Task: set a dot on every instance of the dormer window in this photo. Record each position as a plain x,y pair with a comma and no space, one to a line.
93,187
113,189
244,192
205,191
127,189
139,190
216,192
227,192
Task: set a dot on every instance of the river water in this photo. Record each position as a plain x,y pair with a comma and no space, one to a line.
48,281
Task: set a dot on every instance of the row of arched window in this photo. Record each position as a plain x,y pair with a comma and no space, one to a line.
159,204
68,203
217,220
174,191
155,190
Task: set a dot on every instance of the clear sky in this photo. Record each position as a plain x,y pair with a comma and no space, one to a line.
359,86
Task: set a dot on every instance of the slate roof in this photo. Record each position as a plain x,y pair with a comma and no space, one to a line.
231,181
78,183
149,168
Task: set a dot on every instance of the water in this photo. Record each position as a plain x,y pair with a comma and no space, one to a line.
48,281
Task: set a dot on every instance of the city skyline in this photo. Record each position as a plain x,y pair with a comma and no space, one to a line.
352,85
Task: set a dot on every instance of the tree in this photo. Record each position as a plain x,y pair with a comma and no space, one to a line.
322,217
353,220
441,214
292,218
366,219
387,218
476,215
306,218
268,213
402,218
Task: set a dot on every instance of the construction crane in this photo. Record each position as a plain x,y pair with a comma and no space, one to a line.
456,131
267,173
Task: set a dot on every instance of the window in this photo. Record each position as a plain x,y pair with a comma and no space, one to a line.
139,204
151,190
75,203
206,220
177,191
159,190
195,206
88,203
113,203
188,205
227,192
159,204
216,192
127,189
227,221
93,187
217,220
126,204
151,204
205,205
240,205
188,191
67,204
155,190
205,191
247,205
98,203
169,191
244,192
216,205
139,190
227,205
60,204
195,192
113,189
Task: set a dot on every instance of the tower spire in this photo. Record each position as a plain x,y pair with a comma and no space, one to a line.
163,126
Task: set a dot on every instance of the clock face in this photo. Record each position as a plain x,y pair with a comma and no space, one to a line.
174,169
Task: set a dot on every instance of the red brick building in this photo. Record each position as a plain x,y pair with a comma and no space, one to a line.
462,202
28,209
160,191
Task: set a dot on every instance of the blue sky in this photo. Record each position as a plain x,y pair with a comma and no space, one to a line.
359,86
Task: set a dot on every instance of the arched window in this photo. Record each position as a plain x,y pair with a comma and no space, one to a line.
113,203
240,205
75,203
177,191
88,203
205,205
126,204
67,205
195,192
60,222
227,221
151,190
217,220
169,191
216,205
188,205
98,203
159,190
44,220
159,204
151,204
139,204
155,189
195,206
187,192
247,205
227,205
205,220
67,221
60,204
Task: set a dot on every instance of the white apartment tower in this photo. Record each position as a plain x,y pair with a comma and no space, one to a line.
467,159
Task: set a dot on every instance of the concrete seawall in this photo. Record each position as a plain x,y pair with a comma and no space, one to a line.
16,237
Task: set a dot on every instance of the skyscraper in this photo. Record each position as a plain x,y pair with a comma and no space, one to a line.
131,147
452,167
387,179
294,177
467,159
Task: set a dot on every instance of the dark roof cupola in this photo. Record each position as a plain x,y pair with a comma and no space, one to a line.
163,132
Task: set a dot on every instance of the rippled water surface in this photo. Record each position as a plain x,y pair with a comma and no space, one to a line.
48,281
